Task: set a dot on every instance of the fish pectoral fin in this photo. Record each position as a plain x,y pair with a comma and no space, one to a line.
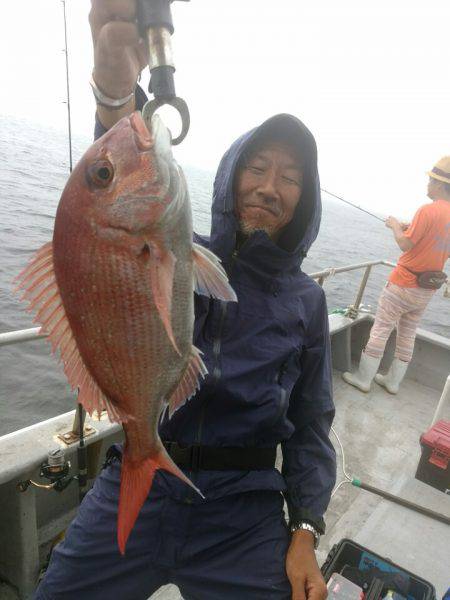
210,278
41,290
135,483
189,382
162,271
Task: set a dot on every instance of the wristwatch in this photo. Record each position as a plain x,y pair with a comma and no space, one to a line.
307,527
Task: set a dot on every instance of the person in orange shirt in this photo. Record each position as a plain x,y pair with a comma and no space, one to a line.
411,285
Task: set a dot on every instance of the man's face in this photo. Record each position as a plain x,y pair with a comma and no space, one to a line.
434,188
268,188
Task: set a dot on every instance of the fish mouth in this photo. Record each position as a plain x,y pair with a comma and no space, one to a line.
141,134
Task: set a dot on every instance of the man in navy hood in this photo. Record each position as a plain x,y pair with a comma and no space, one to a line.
268,355
268,385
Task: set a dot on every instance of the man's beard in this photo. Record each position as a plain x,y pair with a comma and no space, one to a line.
249,229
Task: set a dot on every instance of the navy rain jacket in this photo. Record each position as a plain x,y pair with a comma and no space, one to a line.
268,355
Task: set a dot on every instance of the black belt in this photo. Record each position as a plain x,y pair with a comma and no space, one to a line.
211,458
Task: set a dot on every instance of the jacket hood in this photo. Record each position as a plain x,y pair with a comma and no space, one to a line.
301,232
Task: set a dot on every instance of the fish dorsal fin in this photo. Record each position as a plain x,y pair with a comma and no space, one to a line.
210,278
40,290
162,271
189,382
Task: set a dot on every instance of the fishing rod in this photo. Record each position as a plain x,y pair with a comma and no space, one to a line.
354,205
82,456
82,450
66,52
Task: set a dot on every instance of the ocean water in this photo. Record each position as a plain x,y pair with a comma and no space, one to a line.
33,171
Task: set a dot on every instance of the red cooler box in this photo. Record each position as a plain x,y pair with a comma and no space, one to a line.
434,465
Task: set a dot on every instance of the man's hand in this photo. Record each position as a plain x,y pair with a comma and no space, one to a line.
392,223
302,569
398,228
119,53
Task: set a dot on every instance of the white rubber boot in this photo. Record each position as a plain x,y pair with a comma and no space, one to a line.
393,378
362,378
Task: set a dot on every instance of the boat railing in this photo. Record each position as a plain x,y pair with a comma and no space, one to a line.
33,333
352,310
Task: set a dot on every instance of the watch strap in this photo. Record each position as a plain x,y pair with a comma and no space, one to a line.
303,525
104,100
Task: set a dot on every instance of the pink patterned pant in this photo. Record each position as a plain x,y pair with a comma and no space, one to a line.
401,307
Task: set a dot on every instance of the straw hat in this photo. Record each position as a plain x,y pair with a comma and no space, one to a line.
441,170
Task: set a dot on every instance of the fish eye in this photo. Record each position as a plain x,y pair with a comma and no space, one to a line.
100,173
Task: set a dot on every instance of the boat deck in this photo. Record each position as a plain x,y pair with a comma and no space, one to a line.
380,435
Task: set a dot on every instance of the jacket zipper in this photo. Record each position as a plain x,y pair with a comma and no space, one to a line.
217,345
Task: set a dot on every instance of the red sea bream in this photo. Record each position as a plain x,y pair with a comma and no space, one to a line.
114,292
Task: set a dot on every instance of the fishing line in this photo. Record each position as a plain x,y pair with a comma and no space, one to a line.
354,205
66,52
348,478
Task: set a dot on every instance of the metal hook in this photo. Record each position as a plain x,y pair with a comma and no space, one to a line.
179,104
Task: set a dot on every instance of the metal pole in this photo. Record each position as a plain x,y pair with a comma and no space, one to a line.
82,456
362,287
442,402
66,52
403,502
353,310
78,421
354,267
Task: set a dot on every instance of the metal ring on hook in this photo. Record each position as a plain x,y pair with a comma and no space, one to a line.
179,104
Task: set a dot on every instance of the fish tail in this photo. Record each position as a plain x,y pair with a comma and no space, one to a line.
135,484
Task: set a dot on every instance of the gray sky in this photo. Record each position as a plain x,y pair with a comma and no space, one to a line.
369,78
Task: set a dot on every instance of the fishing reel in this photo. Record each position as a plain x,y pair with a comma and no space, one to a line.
55,470
155,23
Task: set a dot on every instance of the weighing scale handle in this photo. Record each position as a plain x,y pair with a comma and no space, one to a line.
156,26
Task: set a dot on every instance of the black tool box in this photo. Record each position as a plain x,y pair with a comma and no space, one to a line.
348,556
434,464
